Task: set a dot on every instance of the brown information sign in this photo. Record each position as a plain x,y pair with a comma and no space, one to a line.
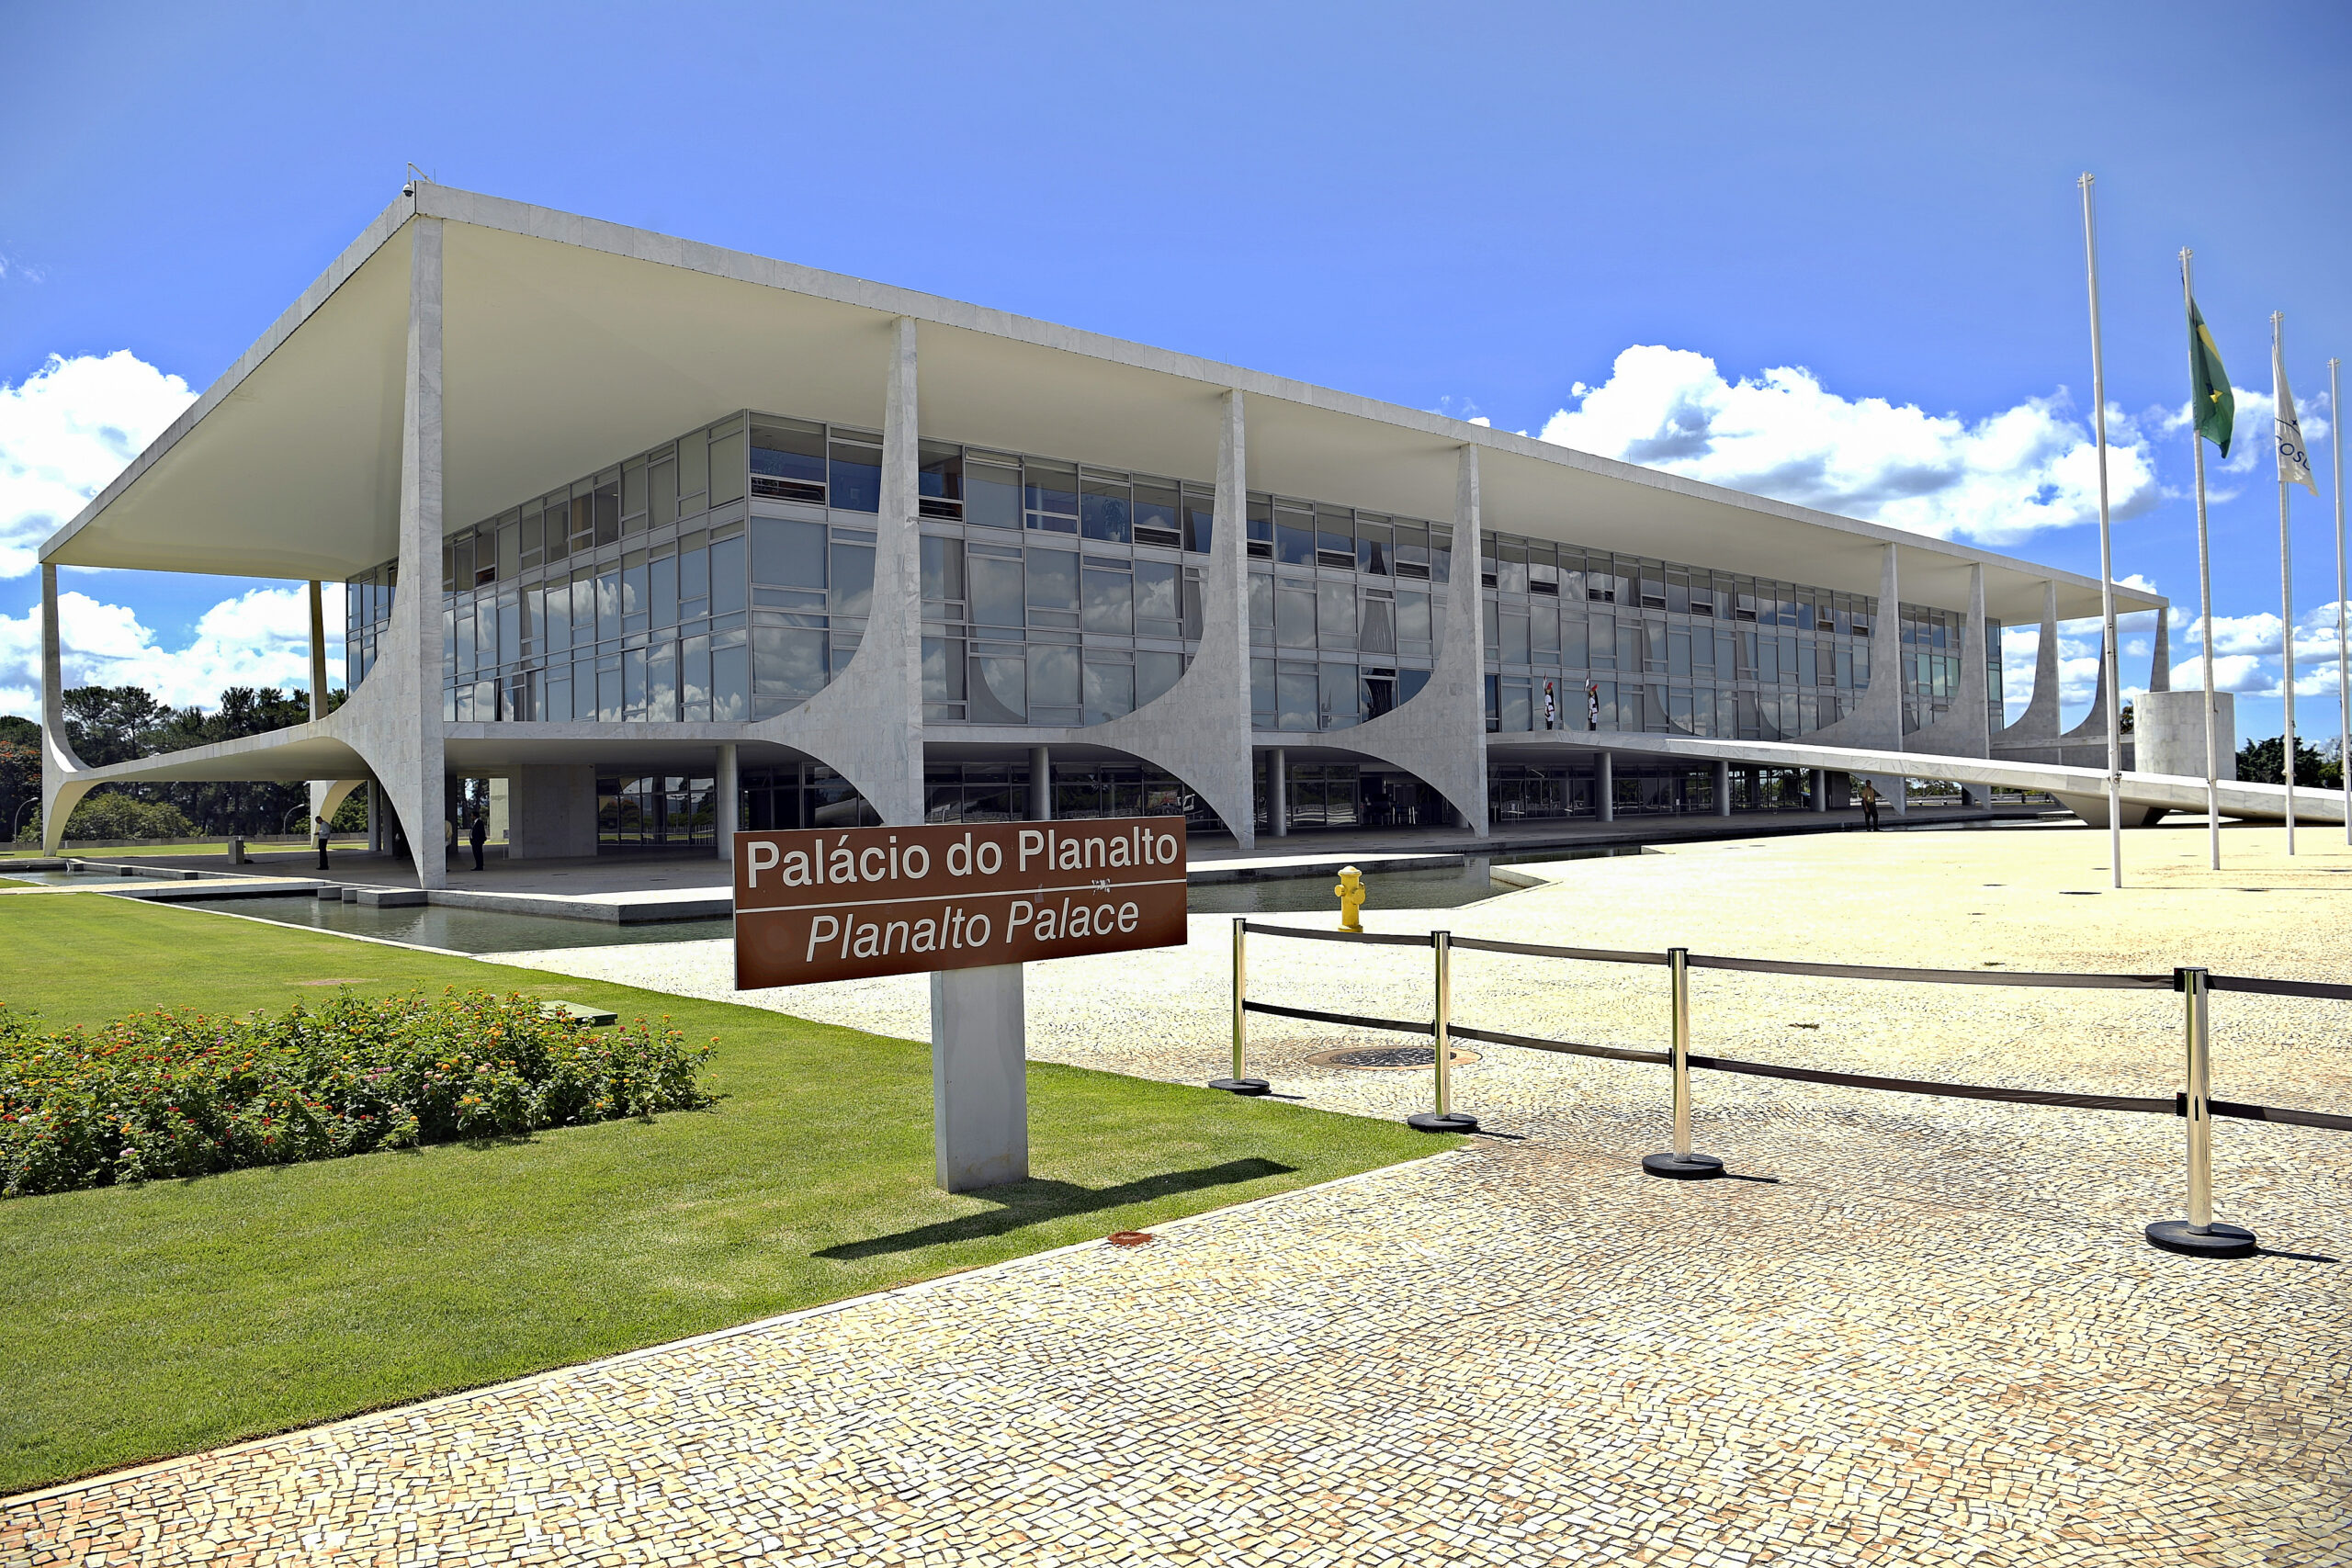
858,902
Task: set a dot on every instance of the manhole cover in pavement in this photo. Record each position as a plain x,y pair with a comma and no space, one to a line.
1390,1057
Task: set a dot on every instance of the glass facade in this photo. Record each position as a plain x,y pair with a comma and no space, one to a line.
655,811
1055,592
1580,639
728,576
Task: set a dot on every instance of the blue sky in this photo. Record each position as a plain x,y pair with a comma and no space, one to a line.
1479,210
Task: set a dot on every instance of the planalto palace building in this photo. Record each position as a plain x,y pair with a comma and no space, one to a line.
672,539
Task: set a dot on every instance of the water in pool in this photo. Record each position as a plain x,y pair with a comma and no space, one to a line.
462,930
490,930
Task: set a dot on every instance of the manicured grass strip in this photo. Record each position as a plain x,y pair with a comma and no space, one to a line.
152,1320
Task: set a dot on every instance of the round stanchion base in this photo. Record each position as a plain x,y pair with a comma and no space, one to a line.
1451,1122
1242,1086
1682,1167
2214,1241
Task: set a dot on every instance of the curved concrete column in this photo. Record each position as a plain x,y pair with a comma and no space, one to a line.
394,720
327,796
1877,718
1199,728
2160,658
2037,726
1440,737
1967,729
60,791
866,723
318,652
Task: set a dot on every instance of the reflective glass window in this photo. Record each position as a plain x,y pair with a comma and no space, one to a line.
1293,616
1053,581
853,475
993,495
1049,495
1107,510
1338,695
1110,687
996,590
1000,689
1335,615
1110,601
1296,696
1294,537
1156,673
1156,599
727,576
787,661
852,589
788,460
939,481
1052,676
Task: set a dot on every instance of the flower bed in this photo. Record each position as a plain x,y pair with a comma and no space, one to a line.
164,1094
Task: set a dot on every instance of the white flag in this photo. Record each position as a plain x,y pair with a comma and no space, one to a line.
2294,464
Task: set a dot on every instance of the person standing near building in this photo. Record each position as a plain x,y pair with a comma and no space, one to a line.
1869,806
478,834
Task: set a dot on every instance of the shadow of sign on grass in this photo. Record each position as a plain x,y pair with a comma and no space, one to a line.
1033,1202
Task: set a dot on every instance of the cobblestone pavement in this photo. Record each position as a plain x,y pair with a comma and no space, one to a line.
1923,1331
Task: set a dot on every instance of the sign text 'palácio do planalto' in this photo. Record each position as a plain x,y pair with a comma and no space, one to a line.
853,903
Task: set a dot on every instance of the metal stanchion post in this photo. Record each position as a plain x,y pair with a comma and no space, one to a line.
1445,1117
1239,1083
2197,1236
1681,1162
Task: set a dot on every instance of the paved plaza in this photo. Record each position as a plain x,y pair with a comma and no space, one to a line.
1917,1331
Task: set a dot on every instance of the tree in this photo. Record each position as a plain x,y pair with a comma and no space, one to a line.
2260,762
19,774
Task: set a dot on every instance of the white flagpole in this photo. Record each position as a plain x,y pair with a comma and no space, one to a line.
2204,591
2343,674
2286,587
2110,667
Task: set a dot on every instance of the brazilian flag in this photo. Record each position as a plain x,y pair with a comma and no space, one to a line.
2211,404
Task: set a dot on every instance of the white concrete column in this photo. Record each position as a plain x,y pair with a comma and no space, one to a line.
1604,787
1971,704
866,723
1223,660
728,786
1278,793
318,652
1041,784
376,820
2038,725
979,1080
1723,789
60,793
400,732
1821,789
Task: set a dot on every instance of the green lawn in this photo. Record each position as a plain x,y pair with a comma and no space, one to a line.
155,1320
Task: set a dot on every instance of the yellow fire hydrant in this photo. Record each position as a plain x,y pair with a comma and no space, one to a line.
1350,893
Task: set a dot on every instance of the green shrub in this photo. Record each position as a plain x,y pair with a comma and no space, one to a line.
168,1094
109,816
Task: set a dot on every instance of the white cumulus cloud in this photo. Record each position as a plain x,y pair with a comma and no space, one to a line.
2245,653
1782,434
261,638
65,430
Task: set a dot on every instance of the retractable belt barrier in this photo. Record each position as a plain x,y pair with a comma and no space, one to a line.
2197,1236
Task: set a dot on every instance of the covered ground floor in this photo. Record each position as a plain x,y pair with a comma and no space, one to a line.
548,810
